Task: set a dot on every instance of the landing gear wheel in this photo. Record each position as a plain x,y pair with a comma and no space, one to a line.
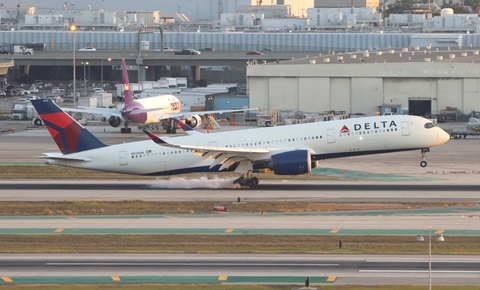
250,183
423,163
255,180
38,122
122,130
129,130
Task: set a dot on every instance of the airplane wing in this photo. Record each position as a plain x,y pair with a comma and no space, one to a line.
161,141
188,114
105,112
226,155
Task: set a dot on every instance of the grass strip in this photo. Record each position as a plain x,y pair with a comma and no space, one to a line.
268,244
18,171
234,287
139,207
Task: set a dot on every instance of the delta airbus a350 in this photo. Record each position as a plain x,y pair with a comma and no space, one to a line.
287,150
147,111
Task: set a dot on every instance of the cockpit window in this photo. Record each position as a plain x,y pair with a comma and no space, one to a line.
429,125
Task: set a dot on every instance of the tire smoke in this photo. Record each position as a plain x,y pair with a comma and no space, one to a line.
187,183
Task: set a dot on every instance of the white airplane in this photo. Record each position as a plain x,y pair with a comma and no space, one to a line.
147,111
287,150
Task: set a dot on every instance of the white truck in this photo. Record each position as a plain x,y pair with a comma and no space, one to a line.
15,49
26,112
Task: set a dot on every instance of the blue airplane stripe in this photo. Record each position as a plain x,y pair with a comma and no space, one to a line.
45,107
87,141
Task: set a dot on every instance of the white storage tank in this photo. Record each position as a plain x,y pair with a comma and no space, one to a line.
446,11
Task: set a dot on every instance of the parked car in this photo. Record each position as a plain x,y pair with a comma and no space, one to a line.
88,48
33,89
254,53
25,92
188,51
267,49
207,49
98,90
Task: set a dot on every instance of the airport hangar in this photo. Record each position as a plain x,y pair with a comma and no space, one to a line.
417,81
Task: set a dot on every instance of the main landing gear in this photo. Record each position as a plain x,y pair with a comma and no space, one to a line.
246,179
423,163
170,126
126,129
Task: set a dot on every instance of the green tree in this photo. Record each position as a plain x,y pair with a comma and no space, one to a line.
60,73
475,4
25,78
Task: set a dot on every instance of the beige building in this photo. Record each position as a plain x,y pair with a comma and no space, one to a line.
417,82
298,7
346,3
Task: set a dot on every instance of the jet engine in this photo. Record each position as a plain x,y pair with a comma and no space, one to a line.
115,121
291,162
194,121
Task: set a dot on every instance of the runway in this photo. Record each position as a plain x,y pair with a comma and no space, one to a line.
222,190
208,268
451,176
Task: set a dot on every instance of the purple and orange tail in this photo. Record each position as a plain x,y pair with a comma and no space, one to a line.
127,93
70,136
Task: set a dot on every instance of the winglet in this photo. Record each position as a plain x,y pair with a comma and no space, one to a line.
189,130
154,137
127,93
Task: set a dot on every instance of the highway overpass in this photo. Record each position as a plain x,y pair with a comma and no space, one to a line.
149,58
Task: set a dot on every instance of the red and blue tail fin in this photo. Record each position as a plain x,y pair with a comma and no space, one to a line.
70,136
127,93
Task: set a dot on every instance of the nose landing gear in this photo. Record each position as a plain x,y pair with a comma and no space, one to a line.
424,151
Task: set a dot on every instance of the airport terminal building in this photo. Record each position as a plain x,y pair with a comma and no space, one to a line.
412,81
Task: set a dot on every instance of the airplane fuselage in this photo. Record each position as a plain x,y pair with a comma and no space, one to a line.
339,138
167,104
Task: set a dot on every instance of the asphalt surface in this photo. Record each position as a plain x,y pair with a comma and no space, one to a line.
451,175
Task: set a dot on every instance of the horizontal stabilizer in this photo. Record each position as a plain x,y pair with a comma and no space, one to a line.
154,137
59,156
189,130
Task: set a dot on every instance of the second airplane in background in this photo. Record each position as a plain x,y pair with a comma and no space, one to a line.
147,111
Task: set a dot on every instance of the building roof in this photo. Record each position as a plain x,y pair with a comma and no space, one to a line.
397,55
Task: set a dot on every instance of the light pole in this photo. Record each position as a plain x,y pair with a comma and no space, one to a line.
85,76
101,74
73,28
430,258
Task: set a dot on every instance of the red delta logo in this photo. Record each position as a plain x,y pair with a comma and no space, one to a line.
344,129
175,106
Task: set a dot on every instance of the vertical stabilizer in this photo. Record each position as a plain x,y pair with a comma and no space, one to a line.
70,136
127,92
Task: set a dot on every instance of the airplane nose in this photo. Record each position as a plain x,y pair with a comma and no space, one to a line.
443,136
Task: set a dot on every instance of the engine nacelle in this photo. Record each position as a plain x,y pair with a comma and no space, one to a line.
194,121
115,121
292,162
